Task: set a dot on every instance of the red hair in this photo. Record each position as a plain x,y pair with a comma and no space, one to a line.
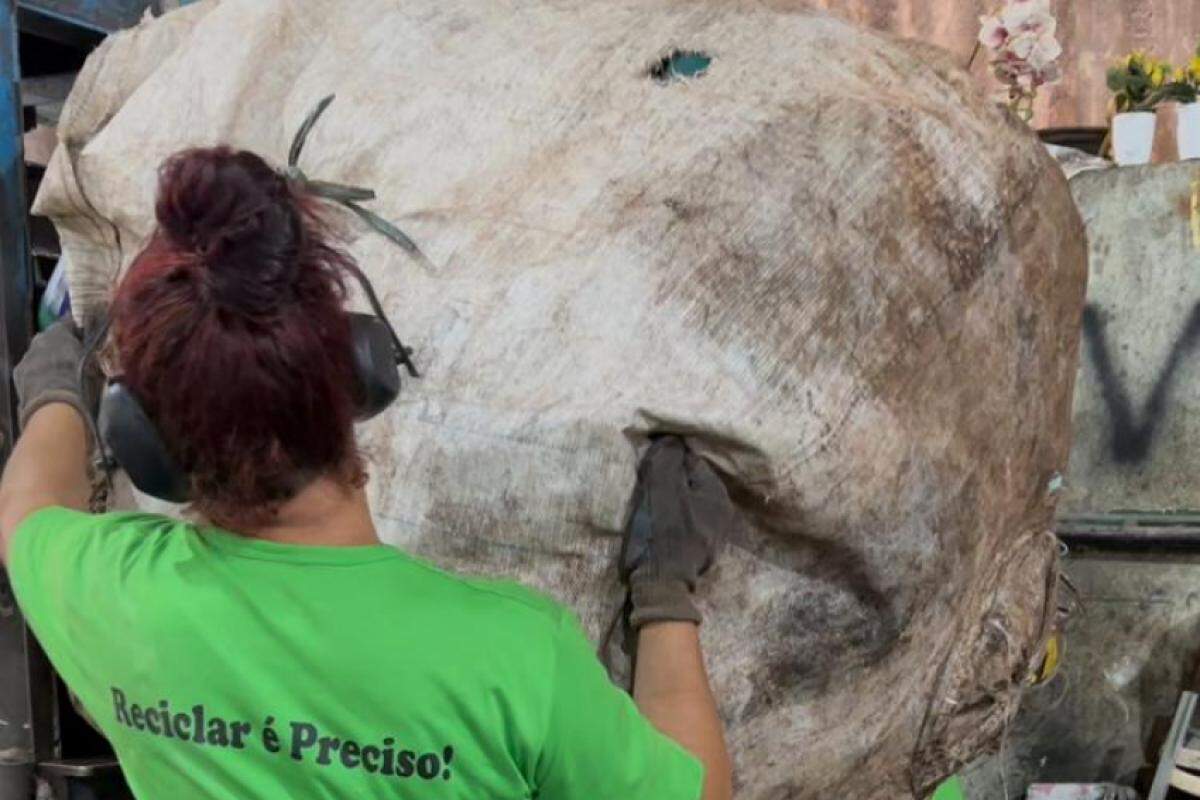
232,333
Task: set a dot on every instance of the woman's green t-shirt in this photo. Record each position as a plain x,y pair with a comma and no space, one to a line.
225,667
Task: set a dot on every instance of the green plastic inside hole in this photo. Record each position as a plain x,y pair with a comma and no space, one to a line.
680,64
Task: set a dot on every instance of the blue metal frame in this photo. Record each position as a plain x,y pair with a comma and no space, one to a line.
16,275
99,16
26,684
81,23
22,664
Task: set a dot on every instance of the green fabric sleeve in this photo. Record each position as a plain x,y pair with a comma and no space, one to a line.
598,745
47,557
63,566
45,549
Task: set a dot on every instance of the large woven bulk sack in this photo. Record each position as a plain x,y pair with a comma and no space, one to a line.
850,281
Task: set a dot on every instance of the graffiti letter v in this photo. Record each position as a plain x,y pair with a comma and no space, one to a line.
1131,442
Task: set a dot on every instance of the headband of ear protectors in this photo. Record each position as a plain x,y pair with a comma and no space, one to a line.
127,433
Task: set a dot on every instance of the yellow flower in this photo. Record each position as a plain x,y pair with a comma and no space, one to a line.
1194,69
1136,58
1180,76
1158,75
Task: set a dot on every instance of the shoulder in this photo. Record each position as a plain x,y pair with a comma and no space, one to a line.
491,596
54,534
517,598
58,517
70,565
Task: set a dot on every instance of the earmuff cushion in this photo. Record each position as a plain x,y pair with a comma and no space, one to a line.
375,367
135,443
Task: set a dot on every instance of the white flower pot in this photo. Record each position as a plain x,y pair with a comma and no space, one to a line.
1133,137
1188,131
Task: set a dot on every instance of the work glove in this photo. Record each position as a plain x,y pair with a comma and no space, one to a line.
49,373
681,510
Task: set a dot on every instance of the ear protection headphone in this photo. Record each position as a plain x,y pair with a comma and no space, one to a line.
126,431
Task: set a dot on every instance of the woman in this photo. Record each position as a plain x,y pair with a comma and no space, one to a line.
279,650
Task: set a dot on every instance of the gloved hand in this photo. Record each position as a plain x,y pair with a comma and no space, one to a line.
49,373
680,511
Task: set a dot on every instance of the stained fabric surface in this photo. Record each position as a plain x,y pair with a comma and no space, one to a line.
848,279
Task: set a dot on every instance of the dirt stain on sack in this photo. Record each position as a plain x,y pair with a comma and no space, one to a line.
837,618
960,233
815,638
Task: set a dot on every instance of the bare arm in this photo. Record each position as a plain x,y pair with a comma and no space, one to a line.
671,689
48,467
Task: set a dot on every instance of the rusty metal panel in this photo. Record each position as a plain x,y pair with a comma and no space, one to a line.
1093,33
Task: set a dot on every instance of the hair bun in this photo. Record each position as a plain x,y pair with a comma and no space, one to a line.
238,216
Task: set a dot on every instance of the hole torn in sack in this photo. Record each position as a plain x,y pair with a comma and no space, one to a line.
680,64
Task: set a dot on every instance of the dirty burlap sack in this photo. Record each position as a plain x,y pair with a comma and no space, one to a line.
849,279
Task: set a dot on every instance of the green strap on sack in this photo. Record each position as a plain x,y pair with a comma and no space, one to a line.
344,194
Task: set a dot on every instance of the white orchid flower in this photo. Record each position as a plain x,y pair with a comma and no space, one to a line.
992,33
1045,51
1021,38
1022,45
